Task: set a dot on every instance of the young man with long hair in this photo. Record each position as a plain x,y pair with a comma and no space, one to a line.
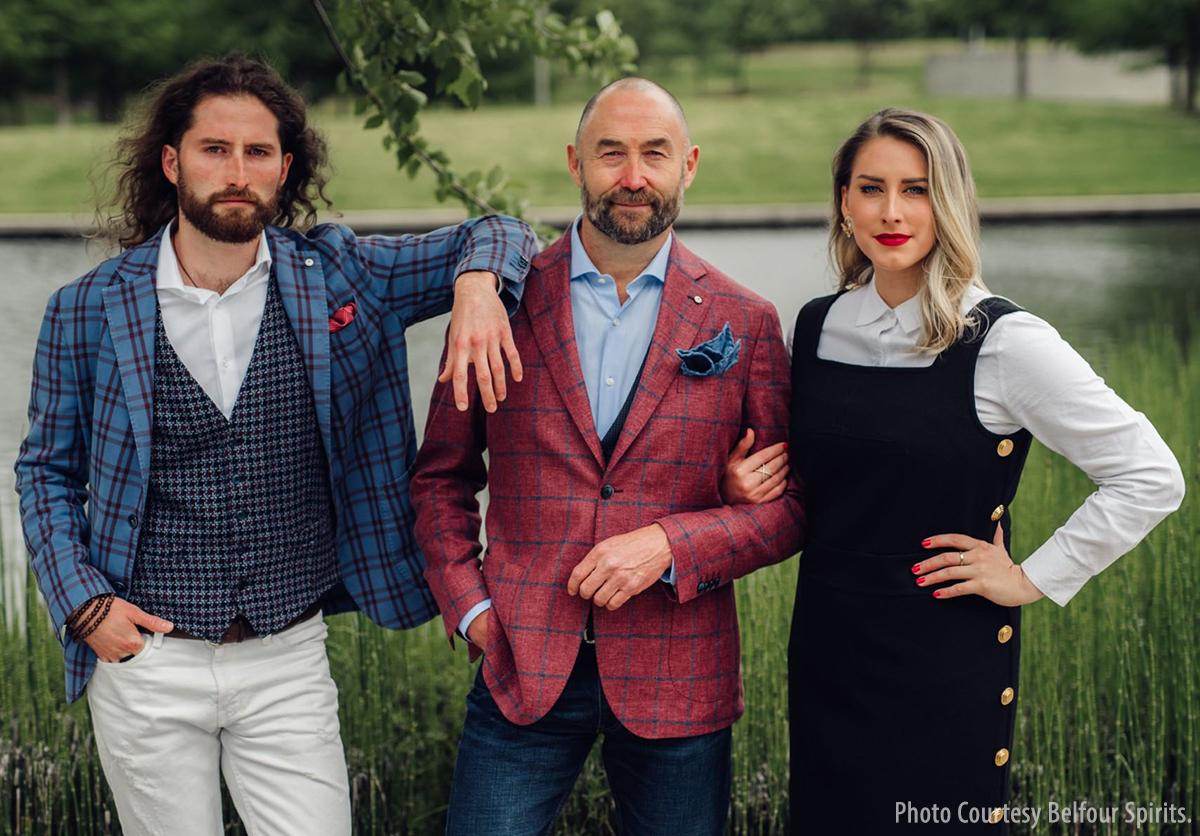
219,449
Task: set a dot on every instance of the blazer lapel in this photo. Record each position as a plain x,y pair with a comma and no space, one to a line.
131,308
302,290
547,301
684,307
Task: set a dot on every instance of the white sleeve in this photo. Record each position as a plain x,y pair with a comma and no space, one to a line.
790,337
1028,376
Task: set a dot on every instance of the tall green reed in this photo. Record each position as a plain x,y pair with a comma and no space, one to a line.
1108,700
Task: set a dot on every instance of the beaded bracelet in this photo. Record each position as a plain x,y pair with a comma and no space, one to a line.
91,628
88,617
85,612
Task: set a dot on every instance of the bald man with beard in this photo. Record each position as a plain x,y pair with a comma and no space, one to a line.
604,605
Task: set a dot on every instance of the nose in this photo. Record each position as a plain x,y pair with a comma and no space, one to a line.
633,176
892,213
236,171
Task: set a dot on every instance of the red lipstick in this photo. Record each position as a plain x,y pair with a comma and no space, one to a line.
892,240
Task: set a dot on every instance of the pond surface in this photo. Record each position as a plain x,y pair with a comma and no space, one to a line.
1086,278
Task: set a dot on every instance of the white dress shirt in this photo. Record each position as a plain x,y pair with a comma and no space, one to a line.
213,334
1028,376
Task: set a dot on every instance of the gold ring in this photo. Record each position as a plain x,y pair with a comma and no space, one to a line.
961,560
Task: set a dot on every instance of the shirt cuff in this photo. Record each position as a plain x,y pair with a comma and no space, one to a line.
1055,573
471,615
669,575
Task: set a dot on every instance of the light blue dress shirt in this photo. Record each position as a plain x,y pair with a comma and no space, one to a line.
612,340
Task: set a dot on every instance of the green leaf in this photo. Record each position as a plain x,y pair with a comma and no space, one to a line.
374,122
410,77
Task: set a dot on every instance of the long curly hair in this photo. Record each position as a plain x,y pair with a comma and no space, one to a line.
144,200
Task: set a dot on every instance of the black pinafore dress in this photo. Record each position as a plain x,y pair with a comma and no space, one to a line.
898,701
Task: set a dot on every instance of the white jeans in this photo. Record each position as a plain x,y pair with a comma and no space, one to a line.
263,711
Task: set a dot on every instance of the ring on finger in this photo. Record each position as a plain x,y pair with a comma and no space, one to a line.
961,559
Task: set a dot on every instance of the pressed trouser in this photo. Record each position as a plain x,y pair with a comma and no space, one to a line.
262,712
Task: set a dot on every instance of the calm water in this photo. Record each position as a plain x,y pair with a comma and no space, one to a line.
1085,278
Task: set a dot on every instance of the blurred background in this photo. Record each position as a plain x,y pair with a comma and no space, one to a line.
1080,120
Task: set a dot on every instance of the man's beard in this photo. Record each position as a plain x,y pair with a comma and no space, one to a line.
663,212
237,226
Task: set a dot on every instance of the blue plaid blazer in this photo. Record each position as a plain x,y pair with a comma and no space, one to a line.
82,470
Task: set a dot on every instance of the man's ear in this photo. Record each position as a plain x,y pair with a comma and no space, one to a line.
287,164
573,164
170,164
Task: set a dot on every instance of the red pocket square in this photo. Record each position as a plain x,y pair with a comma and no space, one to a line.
342,317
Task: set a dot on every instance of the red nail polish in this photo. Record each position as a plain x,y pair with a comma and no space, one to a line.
920,581
937,593
926,542
785,446
916,568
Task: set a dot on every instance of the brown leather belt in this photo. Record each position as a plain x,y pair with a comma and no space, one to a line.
240,629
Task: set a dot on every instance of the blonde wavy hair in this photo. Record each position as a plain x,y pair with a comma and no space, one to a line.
952,266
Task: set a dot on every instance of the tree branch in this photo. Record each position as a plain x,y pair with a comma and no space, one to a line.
353,73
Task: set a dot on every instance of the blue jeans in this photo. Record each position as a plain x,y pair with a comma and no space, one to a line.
512,780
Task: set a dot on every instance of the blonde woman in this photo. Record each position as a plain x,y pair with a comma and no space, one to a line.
915,397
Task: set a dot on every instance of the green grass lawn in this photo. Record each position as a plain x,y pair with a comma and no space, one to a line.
772,145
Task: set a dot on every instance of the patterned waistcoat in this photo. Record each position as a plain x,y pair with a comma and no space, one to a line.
238,515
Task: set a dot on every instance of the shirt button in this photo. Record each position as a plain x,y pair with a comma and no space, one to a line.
616,322
600,280
225,363
610,381
308,262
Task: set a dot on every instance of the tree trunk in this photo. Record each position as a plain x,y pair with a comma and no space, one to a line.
541,81
1191,68
62,93
864,64
541,70
1022,55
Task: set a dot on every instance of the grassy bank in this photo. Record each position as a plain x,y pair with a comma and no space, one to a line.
1109,700
771,145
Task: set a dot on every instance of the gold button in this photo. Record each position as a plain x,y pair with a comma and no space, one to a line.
1002,757
998,513
1004,447
1006,696
1004,635
996,816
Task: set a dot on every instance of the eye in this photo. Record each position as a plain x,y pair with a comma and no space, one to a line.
869,189
916,190
260,152
211,148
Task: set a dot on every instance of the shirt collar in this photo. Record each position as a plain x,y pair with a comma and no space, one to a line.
170,277
582,266
908,313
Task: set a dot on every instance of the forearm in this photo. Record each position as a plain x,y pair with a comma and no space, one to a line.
713,547
417,273
449,474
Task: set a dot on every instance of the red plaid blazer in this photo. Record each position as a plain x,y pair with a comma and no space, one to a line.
670,661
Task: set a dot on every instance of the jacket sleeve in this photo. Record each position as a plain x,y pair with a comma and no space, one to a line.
448,475
415,273
712,547
52,479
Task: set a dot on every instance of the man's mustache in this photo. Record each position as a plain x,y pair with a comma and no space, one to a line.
235,194
623,196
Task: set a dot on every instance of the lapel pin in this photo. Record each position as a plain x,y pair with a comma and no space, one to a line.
308,262
697,299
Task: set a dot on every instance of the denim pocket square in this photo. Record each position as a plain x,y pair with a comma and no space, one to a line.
715,356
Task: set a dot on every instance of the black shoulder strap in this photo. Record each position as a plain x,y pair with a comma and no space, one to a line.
808,325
